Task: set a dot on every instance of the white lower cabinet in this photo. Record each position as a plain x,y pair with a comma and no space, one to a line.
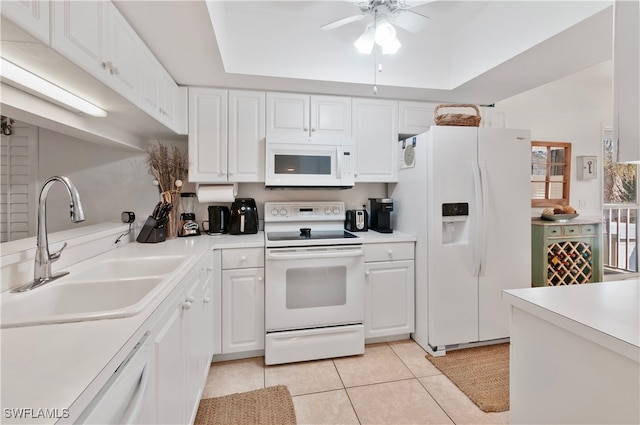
242,300
182,347
389,289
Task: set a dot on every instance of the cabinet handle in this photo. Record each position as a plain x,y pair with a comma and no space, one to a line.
306,129
189,299
313,130
243,258
390,252
259,278
209,269
206,300
367,273
104,65
186,305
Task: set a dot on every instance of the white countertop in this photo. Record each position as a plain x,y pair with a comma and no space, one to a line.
607,313
51,366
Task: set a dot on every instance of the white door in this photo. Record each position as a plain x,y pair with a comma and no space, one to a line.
330,117
207,135
246,136
452,287
389,298
287,116
242,310
505,160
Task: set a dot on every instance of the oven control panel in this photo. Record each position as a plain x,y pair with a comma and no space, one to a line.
303,211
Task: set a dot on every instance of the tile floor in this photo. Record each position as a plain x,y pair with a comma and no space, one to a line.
392,383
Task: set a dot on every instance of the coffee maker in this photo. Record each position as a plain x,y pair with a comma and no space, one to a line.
381,214
188,224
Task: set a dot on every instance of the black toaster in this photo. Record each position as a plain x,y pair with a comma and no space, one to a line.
356,221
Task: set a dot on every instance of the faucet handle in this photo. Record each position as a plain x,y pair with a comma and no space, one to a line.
56,255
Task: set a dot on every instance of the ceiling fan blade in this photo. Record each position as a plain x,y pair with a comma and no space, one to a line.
408,20
341,22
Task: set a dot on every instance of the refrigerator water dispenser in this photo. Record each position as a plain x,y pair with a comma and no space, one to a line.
454,223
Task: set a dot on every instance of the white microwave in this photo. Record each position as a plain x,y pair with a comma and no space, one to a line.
325,164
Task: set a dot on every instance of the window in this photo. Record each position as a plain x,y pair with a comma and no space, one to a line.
620,196
550,173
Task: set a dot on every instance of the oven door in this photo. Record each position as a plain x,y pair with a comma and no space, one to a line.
312,165
307,287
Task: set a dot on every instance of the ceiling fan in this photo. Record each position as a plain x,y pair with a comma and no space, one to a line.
385,14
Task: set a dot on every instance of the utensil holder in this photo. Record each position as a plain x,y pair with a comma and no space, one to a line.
152,232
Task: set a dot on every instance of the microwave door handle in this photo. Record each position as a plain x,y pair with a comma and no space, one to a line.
338,162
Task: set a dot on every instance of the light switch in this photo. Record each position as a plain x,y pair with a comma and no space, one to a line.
587,167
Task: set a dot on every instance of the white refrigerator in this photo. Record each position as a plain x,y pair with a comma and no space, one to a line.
465,193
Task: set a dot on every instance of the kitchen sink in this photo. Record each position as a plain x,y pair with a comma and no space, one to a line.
78,301
126,268
105,289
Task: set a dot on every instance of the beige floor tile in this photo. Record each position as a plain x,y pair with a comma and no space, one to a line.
459,407
304,377
413,356
378,364
331,407
234,376
400,402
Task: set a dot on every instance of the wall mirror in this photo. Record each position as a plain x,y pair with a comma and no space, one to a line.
550,173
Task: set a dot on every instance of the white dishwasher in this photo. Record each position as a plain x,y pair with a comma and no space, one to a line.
122,399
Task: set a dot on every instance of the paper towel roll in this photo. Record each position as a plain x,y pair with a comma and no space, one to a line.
216,192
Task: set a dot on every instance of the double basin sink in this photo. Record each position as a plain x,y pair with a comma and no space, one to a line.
105,289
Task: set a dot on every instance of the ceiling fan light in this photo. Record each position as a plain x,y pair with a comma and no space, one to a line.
364,43
391,47
385,32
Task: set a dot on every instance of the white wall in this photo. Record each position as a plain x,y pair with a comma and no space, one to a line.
573,109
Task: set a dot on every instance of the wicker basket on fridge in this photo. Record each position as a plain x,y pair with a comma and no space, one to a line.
457,119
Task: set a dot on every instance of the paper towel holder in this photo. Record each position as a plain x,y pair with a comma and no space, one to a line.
211,192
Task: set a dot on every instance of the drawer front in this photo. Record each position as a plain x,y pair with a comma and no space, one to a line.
242,258
588,229
573,230
388,251
554,230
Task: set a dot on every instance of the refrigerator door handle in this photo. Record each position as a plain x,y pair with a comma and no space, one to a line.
477,183
483,227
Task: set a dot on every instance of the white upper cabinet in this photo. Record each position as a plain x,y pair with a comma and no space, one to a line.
626,84
246,147
375,138
207,135
123,53
415,117
298,117
78,34
32,16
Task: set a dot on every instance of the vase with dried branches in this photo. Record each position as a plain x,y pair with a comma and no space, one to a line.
169,166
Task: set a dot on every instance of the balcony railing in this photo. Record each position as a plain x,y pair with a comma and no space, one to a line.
620,237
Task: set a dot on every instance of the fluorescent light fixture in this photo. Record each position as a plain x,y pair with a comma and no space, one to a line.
32,82
364,44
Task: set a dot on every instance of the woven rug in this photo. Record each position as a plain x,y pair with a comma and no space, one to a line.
267,406
482,373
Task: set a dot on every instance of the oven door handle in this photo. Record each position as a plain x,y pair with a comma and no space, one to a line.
313,254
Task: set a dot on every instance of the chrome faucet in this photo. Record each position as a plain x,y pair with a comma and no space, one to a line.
43,259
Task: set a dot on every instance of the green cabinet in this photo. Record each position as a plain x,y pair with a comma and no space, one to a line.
565,253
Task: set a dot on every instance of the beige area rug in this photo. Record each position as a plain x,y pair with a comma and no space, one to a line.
482,373
267,406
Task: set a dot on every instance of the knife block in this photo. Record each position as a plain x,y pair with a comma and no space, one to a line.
152,232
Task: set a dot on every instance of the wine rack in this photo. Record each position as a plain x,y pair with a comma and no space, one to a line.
565,253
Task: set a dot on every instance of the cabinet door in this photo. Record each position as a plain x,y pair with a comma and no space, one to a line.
207,135
415,117
389,298
375,137
246,136
242,310
169,370
194,325
31,16
287,116
330,117
78,34
151,87
124,49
